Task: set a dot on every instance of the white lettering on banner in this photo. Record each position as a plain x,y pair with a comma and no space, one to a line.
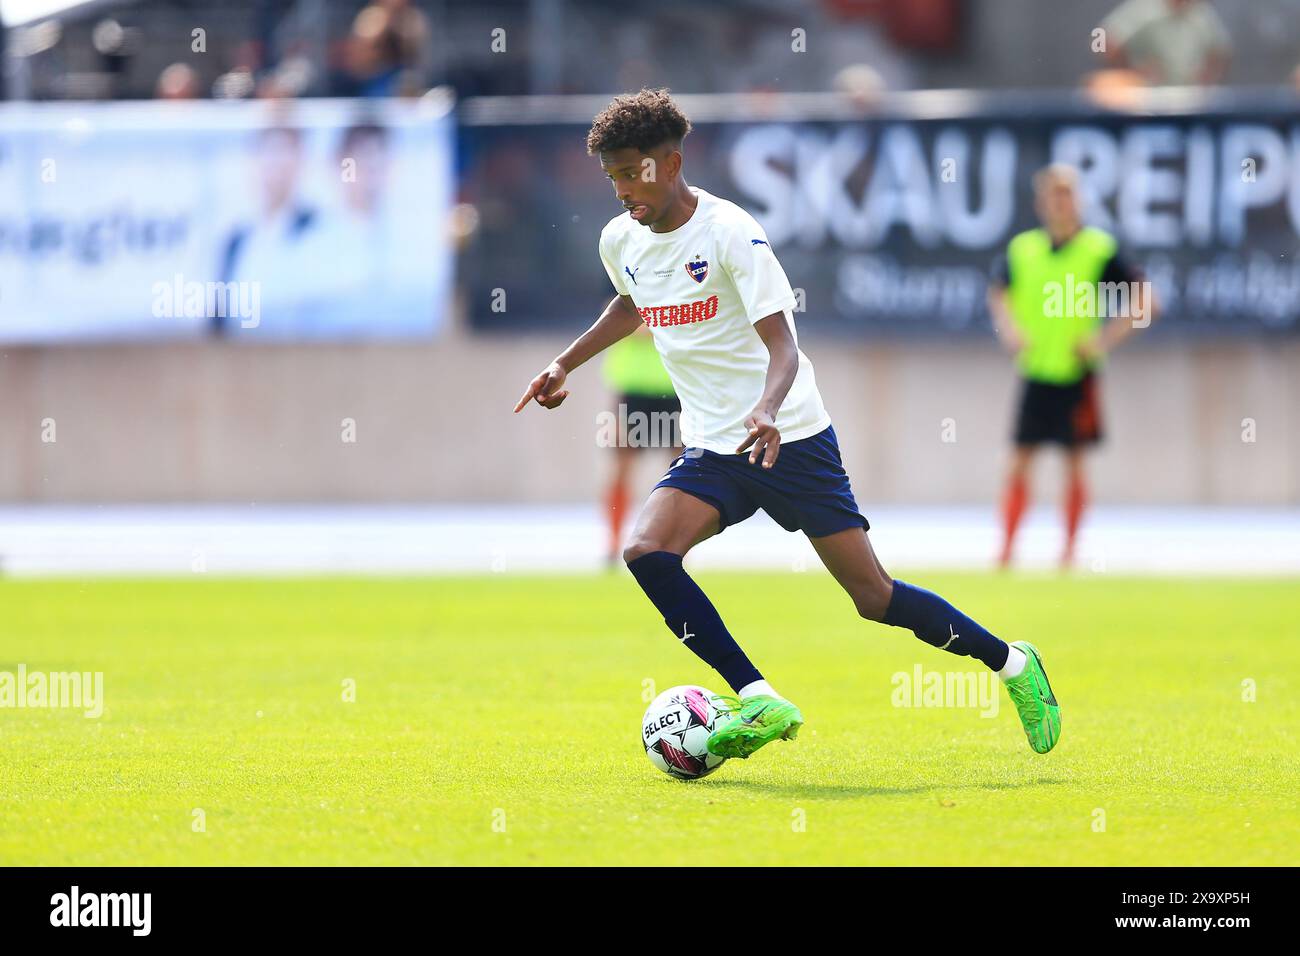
902,191
1146,153
1155,184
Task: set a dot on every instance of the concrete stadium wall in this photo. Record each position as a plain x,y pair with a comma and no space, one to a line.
229,423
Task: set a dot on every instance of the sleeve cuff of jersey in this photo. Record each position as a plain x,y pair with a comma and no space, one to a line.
763,311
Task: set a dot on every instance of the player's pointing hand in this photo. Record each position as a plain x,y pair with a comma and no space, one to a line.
546,388
764,436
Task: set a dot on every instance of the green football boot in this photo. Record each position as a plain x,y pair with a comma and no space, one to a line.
753,722
1035,702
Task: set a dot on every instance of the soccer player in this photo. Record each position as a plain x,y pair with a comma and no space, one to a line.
1047,297
635,372
698,271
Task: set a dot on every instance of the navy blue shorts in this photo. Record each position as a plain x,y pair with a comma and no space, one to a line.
806,490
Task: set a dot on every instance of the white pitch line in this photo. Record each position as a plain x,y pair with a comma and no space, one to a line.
302,539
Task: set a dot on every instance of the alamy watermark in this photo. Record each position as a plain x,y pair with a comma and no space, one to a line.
1070,299
76,908
972,689
638,429
75,690
182,299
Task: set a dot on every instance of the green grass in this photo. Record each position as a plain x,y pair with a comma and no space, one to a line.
517,701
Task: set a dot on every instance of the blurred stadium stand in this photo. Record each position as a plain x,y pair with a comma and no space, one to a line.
101,49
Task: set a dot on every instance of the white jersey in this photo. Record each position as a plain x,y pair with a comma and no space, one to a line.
700,289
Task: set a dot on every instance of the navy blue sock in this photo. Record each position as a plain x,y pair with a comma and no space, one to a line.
937,622
688,611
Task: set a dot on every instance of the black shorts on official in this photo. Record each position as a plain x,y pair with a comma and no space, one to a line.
1068,415
645,408
650,404
806,490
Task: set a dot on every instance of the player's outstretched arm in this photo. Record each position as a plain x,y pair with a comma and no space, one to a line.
782,365
619,320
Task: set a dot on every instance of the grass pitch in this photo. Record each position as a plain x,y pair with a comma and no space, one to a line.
496,721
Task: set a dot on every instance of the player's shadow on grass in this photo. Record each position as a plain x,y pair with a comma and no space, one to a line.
852,792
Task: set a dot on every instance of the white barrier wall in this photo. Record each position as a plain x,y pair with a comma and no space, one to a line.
1187,424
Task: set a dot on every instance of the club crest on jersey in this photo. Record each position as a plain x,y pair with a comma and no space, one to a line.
697,269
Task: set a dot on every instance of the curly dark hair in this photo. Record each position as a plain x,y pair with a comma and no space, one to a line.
641,120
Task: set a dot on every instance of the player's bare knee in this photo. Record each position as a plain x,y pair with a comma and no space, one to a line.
870,609
872,598
639,547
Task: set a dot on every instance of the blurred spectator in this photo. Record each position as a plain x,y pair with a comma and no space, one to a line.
179,81
268,18
240,81
292,77
862,84
1169,42
388,50
1116,89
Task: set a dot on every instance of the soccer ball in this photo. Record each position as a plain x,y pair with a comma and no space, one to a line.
676,728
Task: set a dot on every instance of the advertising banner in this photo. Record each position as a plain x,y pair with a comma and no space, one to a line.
318,220
890,226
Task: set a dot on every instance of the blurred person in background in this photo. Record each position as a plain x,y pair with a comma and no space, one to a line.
387,53
1168,42
635,373
356,254
862,84
240,80
1047,305
292,76
351,249
269,250
179,81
